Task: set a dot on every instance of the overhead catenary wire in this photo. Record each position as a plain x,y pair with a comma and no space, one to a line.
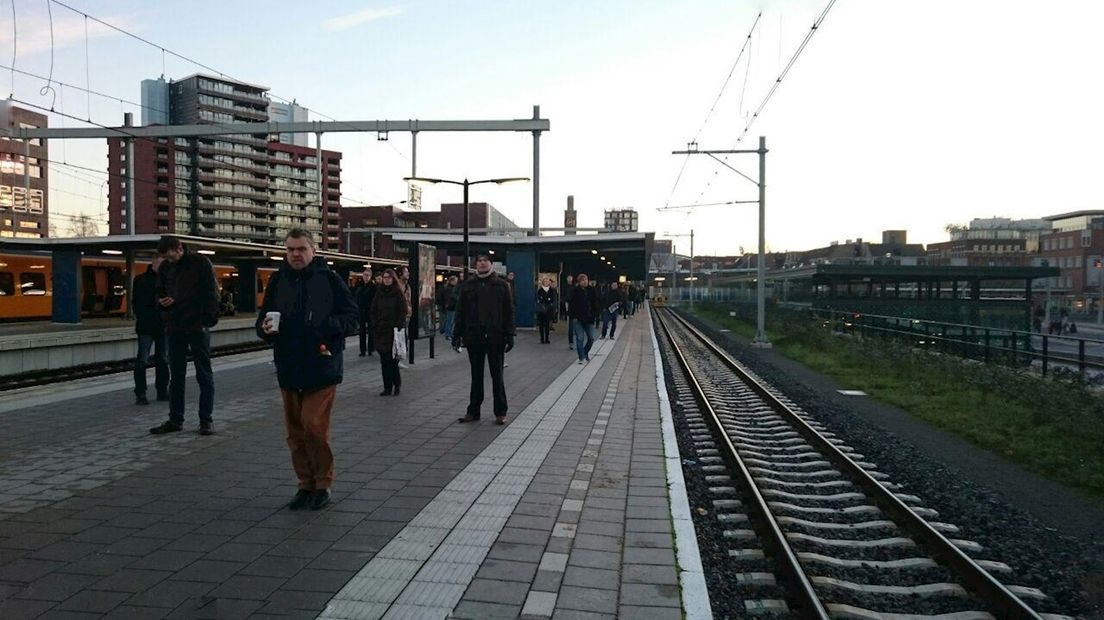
709,114
774,87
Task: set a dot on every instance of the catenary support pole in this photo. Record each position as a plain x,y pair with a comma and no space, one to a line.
131,209
536,175
760,339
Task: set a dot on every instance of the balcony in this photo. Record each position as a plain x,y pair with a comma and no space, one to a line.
234,94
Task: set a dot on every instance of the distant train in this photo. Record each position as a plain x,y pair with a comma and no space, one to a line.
26,287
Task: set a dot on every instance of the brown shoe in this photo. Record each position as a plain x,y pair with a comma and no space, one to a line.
466,419
500,420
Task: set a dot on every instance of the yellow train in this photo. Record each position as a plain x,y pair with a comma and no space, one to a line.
26,288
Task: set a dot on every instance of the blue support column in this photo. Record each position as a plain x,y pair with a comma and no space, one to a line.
247,287
524,266
66,277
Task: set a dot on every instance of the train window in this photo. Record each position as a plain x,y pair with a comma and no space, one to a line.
7,284
32,283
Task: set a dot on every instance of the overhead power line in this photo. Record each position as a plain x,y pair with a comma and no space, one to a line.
777,83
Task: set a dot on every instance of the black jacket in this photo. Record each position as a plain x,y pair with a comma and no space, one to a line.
583,304
612,297
388,313
316,312
191,283
364,293
484,311
147,313
546,301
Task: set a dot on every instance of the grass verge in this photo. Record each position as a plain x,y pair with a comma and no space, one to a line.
1052,426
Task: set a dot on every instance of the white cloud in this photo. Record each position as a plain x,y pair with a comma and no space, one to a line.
34,32
345,22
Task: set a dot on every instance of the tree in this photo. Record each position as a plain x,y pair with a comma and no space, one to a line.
83,226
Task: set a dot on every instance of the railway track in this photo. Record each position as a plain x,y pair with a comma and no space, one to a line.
813,530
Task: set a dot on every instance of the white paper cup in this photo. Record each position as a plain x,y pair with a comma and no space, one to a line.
275,318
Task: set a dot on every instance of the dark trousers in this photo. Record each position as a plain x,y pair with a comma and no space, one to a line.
544,319
199,343
160,362
494,354
307,420
366,345
389,366
609,321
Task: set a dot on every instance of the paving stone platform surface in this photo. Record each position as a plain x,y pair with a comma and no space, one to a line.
563,512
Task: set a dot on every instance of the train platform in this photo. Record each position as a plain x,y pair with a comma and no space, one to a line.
574,509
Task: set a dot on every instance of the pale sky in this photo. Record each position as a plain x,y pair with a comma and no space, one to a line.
897,115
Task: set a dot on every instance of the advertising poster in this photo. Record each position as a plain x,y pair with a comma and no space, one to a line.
427,284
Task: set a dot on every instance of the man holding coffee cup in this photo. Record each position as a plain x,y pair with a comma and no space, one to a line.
306,314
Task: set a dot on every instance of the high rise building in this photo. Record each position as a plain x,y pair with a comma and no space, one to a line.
24,179
289,113
155,102
241,187
622,220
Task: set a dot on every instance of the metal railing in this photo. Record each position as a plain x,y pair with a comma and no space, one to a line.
988,344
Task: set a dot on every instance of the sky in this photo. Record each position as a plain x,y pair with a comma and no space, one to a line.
896,115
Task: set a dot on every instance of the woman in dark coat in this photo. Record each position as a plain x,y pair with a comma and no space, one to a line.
546,308
388,313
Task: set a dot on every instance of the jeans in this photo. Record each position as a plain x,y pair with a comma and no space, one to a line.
609,321
389,367
160,360
585,335
570,332
450,320
366,343
199,343
494,353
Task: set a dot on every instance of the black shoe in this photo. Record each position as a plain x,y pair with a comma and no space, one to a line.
500,420
398,388
141,400
320,499
206,428
301,500
362,354
163,398
167,427
466,419
385,393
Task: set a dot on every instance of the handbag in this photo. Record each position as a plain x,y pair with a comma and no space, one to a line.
398,347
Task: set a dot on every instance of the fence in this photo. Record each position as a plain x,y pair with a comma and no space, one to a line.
983,343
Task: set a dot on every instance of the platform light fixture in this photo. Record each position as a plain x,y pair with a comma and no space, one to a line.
465,184
206,252
112,252
595,252
275,258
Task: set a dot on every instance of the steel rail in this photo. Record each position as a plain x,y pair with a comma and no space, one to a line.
798,580
974,577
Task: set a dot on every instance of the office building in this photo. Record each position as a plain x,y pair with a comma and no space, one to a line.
622,220
288,113
24,177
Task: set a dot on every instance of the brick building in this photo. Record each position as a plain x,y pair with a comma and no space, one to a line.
1074,245
24,177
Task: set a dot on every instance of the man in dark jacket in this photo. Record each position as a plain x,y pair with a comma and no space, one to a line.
485,325
610,308
583,307
363,294
189,299
316,312
151,334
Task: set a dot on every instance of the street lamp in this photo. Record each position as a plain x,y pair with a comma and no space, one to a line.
691,279
465,183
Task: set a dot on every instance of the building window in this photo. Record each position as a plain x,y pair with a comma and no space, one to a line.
7,284
7,199
19,202
36,201
33,284
26,224
1086,238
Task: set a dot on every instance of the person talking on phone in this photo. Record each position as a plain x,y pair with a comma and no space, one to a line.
307,312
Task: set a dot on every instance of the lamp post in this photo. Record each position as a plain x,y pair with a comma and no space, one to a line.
691,278
466,184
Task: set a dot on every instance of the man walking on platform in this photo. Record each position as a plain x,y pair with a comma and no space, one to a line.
307,312
363,294
565,300
151,334
485,325
188,296
583,307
